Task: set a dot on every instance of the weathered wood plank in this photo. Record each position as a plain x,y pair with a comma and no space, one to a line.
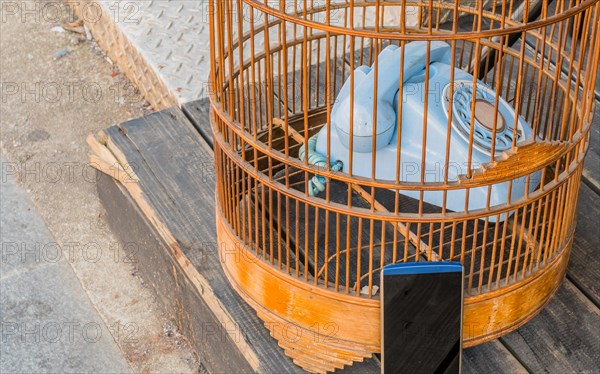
584,264
175,169
179,298
176,177
198,112
563,338
490,357
591,171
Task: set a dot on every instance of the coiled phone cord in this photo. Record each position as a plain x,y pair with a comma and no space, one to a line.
317,183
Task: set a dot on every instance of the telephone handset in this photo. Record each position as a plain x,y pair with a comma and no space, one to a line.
439,103
389,62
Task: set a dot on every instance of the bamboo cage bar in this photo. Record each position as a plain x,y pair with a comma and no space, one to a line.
305,232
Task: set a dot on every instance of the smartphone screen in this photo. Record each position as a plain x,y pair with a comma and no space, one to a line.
422,307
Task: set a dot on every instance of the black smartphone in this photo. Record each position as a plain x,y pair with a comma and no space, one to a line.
421,317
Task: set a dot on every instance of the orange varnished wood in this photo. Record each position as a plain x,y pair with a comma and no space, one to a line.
277,292
494,314
313,323
521,161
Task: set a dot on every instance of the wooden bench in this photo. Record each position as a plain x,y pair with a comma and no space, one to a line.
156,182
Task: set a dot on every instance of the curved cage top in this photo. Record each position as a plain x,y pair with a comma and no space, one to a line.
416,20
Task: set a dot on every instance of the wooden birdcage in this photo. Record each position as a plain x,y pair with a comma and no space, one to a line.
353,134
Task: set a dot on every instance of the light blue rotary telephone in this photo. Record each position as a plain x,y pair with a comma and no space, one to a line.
412,126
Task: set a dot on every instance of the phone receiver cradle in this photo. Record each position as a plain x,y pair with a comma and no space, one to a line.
385,137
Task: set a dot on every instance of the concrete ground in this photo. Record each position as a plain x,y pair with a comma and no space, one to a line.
57,87
48,322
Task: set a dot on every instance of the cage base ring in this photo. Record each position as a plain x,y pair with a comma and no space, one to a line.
321,329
